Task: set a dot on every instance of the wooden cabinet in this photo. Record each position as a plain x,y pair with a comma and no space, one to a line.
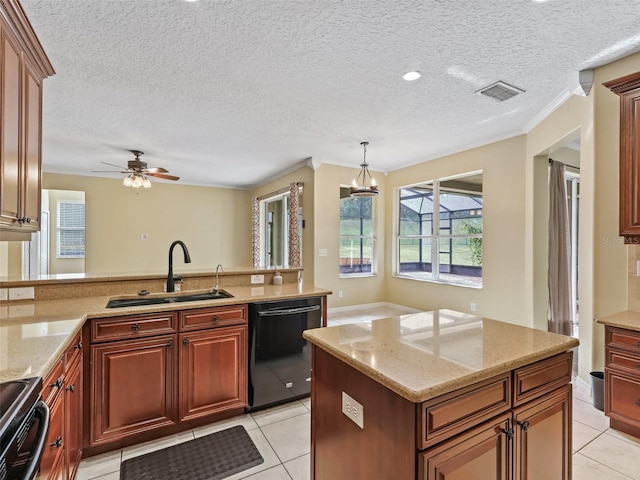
23,66
151,373
622,379
132,387
542,428
516,425
480,454
628,88
213,371
62,391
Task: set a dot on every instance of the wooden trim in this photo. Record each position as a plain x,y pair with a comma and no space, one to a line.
623,84
15,17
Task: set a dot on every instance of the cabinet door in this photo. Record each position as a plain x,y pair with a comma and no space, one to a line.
628,88
483,453
73,416
543,437
32,147
10,174
52,462
213,371
132,387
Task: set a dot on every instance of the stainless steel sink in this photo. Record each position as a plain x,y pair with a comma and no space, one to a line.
156,300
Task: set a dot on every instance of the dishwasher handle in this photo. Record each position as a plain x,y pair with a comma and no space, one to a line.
288,311
42,412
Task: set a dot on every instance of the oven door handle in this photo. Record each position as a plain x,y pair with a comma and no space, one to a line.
288,311
42,413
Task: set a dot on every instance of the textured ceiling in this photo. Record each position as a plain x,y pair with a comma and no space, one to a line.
230,93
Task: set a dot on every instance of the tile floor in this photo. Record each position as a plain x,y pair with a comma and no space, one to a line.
281,434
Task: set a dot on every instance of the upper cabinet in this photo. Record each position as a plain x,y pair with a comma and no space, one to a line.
628,88
23,66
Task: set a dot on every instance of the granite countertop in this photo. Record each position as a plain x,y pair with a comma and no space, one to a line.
627,319
33,335
423,355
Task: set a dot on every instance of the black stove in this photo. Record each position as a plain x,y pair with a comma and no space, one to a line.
24,422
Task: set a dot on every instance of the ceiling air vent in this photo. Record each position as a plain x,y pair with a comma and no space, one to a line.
500,91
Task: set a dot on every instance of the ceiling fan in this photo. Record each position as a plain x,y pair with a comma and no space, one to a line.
138,172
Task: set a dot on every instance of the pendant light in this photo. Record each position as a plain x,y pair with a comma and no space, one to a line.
363,190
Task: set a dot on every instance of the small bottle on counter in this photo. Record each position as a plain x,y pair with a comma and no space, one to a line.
277,278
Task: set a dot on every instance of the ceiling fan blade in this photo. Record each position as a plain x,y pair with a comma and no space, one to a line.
112,165
156,170
107,171
162,175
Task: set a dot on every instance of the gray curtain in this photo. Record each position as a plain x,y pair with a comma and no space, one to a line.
559,314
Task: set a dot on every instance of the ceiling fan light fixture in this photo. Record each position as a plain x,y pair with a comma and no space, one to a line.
146,183
128,182
363,190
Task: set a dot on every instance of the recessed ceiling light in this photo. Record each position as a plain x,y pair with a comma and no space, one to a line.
411,76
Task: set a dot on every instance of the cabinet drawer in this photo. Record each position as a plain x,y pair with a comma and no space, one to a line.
541,377
72,353
450,414
133,326
620,338
212,317
54,444
622,400
626,360
53,383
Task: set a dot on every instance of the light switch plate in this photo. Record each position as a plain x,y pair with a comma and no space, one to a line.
257,279
353,410
4,294
21,293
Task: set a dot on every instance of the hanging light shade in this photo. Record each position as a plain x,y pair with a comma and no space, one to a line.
359,188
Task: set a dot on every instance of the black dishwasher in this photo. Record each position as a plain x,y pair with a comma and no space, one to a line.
279,357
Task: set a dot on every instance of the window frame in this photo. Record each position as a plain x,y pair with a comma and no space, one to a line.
59,229
434,237
372,237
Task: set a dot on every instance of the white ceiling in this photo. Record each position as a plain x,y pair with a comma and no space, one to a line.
230,93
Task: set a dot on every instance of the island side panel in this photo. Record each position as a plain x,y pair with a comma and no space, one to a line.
384,448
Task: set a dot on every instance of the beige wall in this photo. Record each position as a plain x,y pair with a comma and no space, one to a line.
611,277
502,293
355,290
571,121
213,223
305,175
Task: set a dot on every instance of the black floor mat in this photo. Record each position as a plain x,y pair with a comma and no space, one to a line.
213,457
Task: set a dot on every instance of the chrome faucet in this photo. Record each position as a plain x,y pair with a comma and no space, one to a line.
217,287
187,259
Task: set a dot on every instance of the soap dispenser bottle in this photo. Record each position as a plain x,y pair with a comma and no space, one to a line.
277,278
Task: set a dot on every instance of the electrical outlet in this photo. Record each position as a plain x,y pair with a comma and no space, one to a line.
21,293
353,410
257,279
339,293
473,307
322,252
4,294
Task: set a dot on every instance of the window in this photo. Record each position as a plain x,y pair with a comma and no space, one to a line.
70,239
356,234
446,247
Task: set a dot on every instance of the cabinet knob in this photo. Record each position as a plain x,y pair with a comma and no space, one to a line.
57,443
216,318
135,327
638,402
169,344
78,346
57,383
508,433
185,341
72,388
524,425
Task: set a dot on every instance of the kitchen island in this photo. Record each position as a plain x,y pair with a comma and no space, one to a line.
440,395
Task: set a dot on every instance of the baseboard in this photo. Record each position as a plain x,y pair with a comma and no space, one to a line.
352,308
582,385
